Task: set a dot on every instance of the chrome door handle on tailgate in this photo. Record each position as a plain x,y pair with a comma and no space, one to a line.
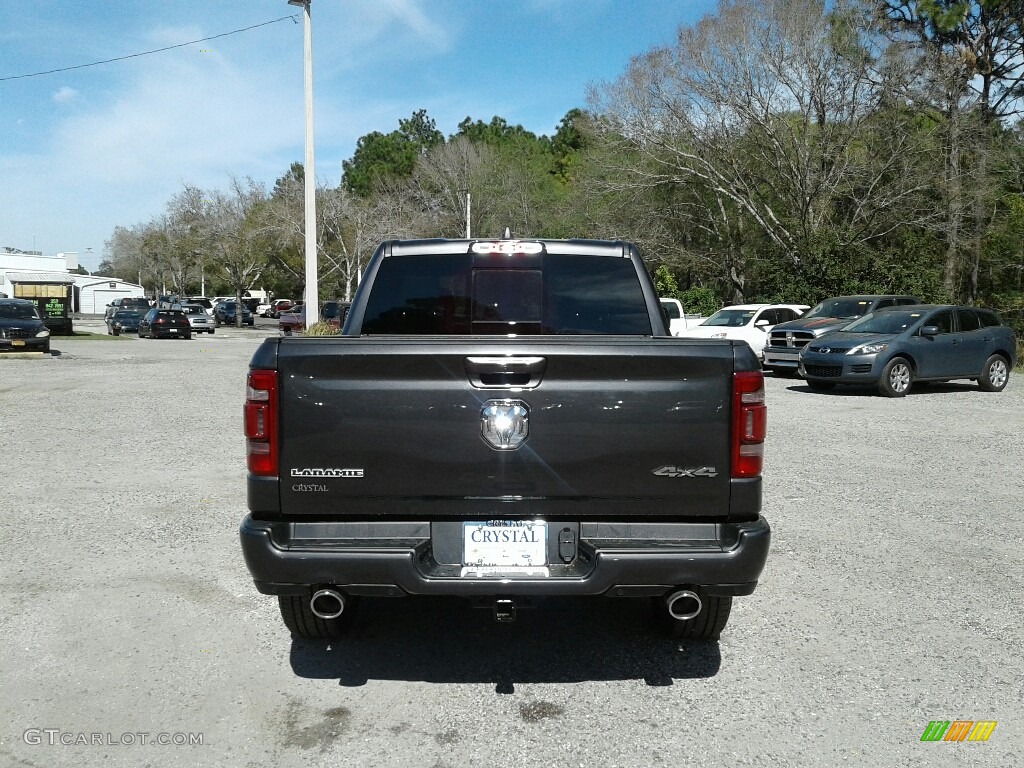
505,372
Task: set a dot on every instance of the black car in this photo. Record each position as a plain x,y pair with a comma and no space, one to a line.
21,327
166,323
225,314
892,348
134,303
123,321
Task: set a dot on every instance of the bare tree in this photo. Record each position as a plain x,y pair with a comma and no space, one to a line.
236,243
341,237
773,109
972,52
444,175
185,227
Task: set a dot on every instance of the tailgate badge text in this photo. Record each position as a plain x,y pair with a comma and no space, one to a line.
326,472
670,471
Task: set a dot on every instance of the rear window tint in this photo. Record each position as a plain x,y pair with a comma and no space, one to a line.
968,320
988,318
545,294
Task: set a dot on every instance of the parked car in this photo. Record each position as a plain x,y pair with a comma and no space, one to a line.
21,327
334,312
250,303
202,301
331,312
225,313
219,300
782,353
198,319
745,322
138,304
277,306
166,323
293,320
678,319
124,321
893,348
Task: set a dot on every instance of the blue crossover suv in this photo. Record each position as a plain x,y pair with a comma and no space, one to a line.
892,348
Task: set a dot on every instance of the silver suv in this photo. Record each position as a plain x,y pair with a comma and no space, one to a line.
782,350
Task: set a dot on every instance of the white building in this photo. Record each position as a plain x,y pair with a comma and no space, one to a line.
86,294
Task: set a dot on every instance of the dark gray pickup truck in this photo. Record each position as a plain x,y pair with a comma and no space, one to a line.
504,420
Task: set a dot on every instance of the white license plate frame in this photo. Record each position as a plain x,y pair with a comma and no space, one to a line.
491,547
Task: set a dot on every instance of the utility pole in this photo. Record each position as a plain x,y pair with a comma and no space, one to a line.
312,310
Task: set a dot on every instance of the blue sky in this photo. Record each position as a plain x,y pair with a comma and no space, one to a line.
85,150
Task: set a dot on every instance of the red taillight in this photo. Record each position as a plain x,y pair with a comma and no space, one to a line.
260,422
749,423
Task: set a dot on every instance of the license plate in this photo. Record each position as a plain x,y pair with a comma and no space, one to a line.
18,343
497,547
172,330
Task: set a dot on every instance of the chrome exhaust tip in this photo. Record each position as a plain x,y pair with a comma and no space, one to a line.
327,604
683,605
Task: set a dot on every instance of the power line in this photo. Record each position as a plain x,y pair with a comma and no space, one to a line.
146,53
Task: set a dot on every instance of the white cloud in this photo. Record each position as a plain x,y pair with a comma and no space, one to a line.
65,94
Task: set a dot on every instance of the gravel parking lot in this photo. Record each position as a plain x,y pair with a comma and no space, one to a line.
891,598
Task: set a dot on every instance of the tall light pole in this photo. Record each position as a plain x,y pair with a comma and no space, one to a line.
312,310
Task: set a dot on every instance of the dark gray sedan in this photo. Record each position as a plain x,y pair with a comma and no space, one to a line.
123,321
893,348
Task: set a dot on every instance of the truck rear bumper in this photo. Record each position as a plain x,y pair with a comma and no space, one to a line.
397,559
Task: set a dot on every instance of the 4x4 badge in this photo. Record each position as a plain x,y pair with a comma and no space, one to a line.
671,471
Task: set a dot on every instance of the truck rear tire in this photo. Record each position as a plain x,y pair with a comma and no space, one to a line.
300,619
706,625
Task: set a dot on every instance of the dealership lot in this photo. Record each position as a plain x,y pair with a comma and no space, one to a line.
891,599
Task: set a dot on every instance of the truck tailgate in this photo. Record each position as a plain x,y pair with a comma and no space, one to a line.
618,428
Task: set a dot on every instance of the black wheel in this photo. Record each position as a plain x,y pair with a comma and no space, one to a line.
706,625
211,331
216,321
995,374
302,622
46,347
116,332
897,378
821,386
188,337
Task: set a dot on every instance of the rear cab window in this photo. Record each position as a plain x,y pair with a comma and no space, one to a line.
523,293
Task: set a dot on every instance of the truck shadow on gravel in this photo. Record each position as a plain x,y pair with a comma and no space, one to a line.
445,640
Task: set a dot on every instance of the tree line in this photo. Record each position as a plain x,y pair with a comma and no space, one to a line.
777,150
